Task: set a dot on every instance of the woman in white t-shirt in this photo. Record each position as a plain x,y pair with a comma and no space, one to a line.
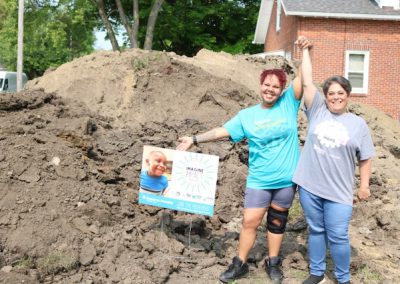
336,141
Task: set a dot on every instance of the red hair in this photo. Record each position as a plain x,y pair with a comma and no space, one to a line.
277,72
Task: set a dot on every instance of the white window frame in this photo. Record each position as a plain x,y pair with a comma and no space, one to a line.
288,55
278,15
364,89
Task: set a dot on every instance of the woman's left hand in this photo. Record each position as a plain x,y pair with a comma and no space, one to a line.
363,193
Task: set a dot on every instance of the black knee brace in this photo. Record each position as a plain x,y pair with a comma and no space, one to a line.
276,221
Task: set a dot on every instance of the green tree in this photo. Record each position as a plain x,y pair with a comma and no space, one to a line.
127,14
54,32
186,26
2,12
8,51
58,30
220,25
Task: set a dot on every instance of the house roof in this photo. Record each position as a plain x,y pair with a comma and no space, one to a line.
342,9
263,21
354,9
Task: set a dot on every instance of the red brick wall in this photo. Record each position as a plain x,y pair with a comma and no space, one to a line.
285,37
332,37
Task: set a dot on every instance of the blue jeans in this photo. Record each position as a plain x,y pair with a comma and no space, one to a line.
328,224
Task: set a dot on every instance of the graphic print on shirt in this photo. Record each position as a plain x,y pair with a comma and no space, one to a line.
332,134
272,132
269,123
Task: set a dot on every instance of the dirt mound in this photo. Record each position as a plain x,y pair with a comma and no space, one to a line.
71,152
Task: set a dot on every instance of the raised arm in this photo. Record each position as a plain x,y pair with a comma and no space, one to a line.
309,88
297,85
365,174
212,135
302,42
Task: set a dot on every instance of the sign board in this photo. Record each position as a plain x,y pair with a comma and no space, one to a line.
178,180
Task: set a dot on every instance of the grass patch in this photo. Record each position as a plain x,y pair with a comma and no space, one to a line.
25,262
140,64
369,275
56,262
295,211
298,274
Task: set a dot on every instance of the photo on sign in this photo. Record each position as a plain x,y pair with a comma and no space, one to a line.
156,170
178,180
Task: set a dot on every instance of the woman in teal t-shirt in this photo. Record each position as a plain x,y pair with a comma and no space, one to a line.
271,131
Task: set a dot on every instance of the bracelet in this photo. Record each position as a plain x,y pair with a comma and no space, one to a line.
194,140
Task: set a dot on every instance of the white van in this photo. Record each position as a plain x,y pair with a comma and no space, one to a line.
8,81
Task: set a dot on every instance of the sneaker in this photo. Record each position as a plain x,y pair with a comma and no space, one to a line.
273,269
314,279
236,270
347,282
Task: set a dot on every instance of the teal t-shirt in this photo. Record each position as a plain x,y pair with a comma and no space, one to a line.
151,183
273,141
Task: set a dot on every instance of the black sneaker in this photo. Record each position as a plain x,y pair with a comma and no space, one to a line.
347,282
314,279
273,268
236,270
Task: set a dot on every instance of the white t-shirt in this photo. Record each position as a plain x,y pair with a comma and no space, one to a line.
334,144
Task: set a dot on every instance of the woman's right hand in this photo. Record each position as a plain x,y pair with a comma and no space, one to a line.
186,143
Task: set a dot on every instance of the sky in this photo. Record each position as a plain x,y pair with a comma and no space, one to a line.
101,43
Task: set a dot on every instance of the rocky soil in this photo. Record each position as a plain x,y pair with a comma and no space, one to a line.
71,151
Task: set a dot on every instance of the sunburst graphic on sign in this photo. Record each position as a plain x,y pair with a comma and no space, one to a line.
195,176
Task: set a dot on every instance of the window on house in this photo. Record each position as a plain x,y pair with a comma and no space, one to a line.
357,70
278,15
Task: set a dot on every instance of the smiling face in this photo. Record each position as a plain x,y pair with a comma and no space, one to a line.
270,91
337,98
157,164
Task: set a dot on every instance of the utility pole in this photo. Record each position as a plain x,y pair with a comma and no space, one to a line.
20,44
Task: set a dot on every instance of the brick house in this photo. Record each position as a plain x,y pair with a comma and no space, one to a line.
358,39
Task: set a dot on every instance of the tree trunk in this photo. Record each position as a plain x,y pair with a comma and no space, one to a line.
124,20
151,22
107,24
135,31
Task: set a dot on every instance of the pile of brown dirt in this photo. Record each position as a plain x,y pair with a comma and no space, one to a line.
71,152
